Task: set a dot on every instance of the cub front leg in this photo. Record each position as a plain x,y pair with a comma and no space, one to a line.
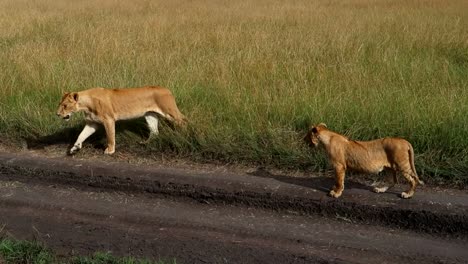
88,130
385,188
109,125
337,190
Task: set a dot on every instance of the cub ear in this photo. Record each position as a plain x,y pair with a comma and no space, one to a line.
75,96
65,95
314,130
322,124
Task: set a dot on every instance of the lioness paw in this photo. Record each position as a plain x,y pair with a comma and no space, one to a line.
74,149
335,194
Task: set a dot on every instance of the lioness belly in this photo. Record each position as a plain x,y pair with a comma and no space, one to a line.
128,116
135,109
125,116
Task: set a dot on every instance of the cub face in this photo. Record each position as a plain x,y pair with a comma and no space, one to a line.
313,135
68,105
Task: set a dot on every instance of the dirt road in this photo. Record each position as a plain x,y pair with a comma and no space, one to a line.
82,218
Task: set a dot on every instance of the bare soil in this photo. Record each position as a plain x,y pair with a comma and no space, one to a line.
216,216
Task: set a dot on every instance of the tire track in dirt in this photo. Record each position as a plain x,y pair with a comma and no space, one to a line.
72,221
442,218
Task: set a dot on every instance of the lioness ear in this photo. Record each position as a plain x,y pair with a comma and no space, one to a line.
314,130
75,96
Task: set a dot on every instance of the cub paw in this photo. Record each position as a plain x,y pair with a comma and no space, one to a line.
335,194
406,195
380,189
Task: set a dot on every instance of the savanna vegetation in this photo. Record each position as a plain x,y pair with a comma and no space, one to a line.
26,252
250,75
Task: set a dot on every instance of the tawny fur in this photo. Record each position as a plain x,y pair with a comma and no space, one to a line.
106,106
395,154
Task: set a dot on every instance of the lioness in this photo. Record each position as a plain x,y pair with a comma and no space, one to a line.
373,156
105,106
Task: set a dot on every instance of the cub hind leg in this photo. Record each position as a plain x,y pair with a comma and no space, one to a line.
405,168
410,192
408,174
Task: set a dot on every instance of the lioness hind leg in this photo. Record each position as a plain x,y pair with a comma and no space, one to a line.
175,117
152,121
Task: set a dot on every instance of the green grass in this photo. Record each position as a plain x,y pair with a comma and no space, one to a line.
20,252
250,75
25,252
105,258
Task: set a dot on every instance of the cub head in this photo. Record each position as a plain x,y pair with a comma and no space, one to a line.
68,105
313,135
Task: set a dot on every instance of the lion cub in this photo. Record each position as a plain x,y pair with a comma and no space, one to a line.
372,156
106,106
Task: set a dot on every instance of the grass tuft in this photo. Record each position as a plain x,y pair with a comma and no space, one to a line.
26,252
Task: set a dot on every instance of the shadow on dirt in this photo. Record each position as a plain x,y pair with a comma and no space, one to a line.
68,136
323,184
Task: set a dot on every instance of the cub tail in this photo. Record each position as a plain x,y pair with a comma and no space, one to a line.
413,168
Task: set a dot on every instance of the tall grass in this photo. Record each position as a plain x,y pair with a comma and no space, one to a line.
251,74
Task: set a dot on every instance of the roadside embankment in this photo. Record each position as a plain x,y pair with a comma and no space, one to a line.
431,210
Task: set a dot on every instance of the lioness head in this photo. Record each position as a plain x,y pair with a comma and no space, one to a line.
68,105
312,137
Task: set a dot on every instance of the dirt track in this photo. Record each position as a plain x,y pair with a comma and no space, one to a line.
78,207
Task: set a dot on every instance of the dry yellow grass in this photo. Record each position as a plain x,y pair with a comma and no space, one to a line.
251,74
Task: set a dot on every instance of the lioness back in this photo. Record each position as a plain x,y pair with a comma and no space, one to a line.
130,103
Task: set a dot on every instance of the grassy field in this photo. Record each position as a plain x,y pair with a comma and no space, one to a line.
250,75
25,252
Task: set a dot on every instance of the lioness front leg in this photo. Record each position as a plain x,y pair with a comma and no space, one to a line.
88,130
109,125
339,185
